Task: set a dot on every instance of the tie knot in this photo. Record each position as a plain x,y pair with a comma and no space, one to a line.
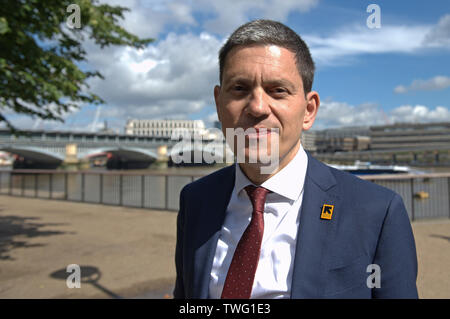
257,197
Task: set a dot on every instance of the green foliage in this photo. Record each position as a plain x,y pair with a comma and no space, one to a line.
40,55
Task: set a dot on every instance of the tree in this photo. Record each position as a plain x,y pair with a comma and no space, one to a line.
41,52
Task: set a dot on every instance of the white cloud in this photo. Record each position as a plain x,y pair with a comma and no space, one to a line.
173,77
356,40
182,13
420,113
236,12
400,89
339,114
359,40
439,35
439,82
149,18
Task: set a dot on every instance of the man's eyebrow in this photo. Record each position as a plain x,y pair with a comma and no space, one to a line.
271,82
237,78
281,82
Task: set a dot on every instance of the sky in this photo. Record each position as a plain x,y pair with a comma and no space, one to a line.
398,72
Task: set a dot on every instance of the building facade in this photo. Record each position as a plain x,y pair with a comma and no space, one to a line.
309,140
345,139
164,128
410,136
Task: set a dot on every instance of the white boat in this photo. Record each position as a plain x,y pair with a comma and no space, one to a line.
367,168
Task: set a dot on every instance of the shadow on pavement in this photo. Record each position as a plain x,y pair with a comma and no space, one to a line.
441,237
12,226
88,275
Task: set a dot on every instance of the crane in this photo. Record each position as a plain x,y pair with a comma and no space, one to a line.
97,115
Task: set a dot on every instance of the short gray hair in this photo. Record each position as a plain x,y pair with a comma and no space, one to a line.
268,32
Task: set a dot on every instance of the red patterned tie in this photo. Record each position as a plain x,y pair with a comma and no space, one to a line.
241,274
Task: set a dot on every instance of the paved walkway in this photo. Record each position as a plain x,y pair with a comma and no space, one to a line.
126,252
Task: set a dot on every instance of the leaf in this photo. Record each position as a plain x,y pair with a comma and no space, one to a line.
3,25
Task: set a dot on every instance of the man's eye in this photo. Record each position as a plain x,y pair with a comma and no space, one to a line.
238,88
279,90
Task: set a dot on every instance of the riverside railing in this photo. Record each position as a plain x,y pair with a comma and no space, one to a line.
425,195
153,190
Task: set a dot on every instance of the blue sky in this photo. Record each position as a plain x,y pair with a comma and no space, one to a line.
397,73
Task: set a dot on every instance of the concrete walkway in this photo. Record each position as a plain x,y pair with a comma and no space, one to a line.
126,252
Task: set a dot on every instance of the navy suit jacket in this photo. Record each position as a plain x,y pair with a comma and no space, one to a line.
369,225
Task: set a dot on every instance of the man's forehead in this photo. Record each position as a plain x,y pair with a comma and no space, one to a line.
261,50
243,60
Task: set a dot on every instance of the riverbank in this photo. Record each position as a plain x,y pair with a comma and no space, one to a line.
129,252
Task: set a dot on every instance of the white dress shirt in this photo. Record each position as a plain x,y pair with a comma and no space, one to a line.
281,219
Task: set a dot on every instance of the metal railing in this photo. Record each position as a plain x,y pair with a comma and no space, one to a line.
145,190
425,196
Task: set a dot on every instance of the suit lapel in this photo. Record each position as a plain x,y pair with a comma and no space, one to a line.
314,233
211,213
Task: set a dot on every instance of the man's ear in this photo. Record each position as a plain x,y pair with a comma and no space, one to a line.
216,100
312,106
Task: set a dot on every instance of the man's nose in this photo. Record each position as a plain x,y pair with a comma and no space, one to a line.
258,104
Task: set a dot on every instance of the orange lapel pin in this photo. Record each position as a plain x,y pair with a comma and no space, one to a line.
327,211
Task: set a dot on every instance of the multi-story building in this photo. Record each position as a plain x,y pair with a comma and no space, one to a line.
410,136
345,139
164,128
394,137
309,140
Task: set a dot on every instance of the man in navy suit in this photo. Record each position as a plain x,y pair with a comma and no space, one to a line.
302,230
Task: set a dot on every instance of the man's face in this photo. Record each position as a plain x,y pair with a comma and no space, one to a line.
262,88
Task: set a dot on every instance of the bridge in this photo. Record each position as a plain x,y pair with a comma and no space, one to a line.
50,149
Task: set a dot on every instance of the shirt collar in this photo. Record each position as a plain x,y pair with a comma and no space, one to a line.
288,182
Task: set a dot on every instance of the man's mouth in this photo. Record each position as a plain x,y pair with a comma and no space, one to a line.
259,132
